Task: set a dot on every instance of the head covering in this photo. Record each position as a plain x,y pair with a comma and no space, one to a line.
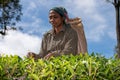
61,11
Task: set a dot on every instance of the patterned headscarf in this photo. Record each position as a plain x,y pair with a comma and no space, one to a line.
61,11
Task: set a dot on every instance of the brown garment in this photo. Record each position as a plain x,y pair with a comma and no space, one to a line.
77,25
65,42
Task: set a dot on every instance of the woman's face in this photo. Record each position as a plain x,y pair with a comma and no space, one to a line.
55,19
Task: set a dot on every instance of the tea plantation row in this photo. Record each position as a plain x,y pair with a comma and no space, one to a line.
67,67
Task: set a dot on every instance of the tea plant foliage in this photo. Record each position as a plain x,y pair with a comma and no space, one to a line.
66,67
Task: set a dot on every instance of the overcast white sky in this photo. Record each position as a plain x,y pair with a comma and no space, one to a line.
98,18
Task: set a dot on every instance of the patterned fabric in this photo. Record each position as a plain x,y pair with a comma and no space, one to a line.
61,11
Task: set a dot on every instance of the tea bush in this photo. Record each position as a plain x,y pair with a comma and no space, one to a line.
66,67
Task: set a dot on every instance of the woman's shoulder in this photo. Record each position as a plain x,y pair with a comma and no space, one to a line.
48,33
70,29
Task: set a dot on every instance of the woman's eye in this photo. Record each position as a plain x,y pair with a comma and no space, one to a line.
55,17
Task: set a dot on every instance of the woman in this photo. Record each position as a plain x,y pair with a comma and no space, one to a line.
61,39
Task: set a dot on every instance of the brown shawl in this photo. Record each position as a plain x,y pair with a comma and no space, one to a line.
77,25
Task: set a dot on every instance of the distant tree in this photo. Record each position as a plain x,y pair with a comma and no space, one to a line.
10,13
116,4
